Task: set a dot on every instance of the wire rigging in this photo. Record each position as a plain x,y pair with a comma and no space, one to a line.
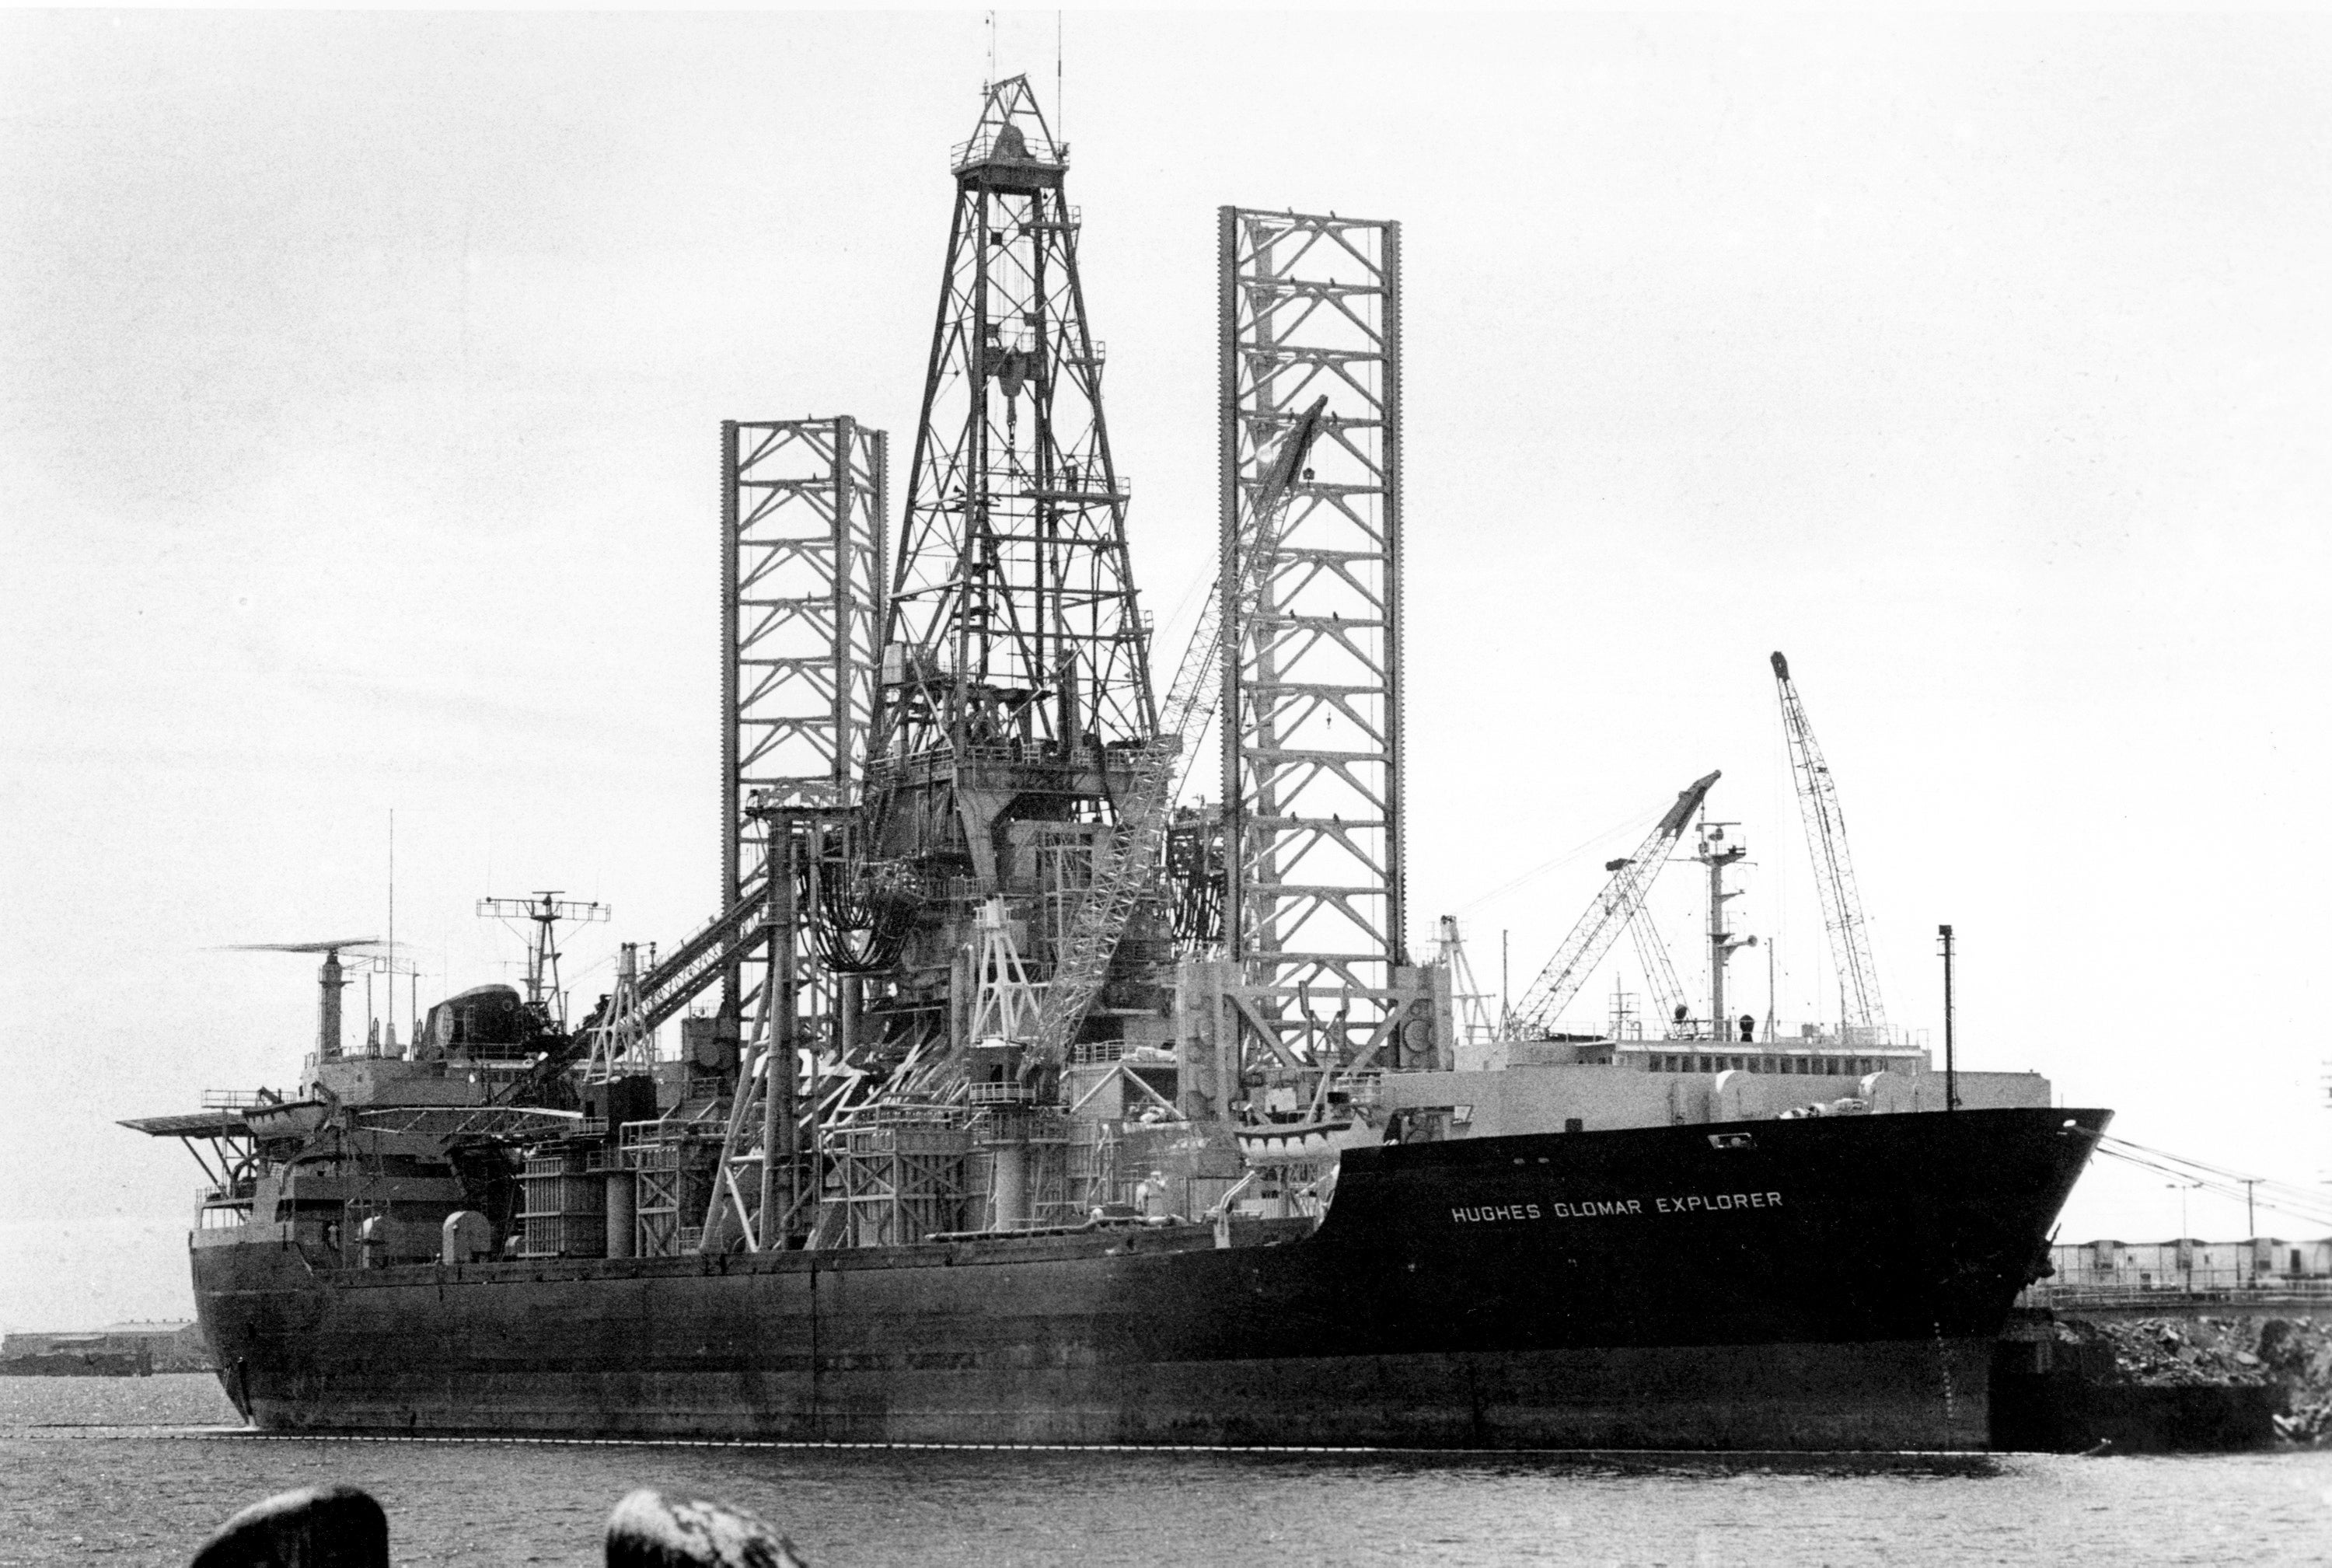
2312,1204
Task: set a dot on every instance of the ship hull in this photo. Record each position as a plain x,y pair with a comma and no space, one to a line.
1831,1284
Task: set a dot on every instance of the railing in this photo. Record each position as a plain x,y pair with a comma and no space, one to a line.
664,1130
981,148
243,1099
1004,1094
907,1114
2174,1292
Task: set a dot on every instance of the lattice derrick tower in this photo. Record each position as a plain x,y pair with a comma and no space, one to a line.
804,582
1015,674
1014,605
1313,911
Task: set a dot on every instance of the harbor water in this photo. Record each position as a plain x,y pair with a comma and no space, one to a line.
137,1470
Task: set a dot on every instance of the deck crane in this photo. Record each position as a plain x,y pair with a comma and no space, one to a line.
1124,875
1849,942
1535,1015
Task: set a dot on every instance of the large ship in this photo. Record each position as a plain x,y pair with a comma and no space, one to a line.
1008,1100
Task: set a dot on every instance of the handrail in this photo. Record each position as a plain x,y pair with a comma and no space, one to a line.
2269,1292
981,148
244,1099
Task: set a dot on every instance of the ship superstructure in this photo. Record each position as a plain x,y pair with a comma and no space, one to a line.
1008,1089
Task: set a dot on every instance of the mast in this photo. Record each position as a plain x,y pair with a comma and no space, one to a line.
1714,854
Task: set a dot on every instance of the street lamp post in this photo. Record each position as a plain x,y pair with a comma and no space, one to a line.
2185,1247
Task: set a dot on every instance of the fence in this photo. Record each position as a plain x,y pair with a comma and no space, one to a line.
2209,1286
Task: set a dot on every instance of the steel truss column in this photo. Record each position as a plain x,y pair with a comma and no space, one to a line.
1311,712
804,577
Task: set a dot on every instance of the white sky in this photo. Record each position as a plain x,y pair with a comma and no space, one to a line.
361,378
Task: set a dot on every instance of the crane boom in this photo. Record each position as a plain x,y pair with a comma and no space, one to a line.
684,973
1849,942
1596,929
1124,875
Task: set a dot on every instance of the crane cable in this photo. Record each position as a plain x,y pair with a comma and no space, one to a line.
2298,1202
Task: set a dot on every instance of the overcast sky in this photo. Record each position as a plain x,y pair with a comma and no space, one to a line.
360,385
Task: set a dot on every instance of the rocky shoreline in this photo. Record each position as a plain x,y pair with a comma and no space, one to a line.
2165,1385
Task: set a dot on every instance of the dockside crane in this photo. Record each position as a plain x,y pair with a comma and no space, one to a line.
1130,872
1622,897
1849,941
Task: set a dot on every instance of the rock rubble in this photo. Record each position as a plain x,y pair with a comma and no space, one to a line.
2294,1352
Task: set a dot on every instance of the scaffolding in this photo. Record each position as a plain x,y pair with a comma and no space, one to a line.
896,1177
675,1162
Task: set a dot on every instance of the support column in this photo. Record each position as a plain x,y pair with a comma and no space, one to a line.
1316,906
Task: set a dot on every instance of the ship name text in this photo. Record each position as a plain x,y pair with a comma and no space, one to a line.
1599,1208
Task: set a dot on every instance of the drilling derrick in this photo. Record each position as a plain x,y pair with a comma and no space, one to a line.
1013,620
1014,698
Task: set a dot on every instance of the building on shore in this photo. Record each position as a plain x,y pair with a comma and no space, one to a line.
2188,1264
159,1346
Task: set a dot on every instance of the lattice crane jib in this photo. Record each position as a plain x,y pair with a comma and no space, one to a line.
1128,874
1541,1007
1310,731
1825,826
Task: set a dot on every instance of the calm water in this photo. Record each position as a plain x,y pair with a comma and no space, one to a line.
122,1471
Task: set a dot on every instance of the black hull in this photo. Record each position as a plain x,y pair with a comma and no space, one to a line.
1826,1284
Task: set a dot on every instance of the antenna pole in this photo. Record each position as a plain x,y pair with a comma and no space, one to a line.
545,909
1772,1030
1950,1058
392,929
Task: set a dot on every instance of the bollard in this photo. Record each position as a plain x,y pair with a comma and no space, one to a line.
651,1530
314,1528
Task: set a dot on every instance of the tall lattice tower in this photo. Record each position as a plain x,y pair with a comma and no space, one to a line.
1015,675
1311,717
803,581
1014,613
